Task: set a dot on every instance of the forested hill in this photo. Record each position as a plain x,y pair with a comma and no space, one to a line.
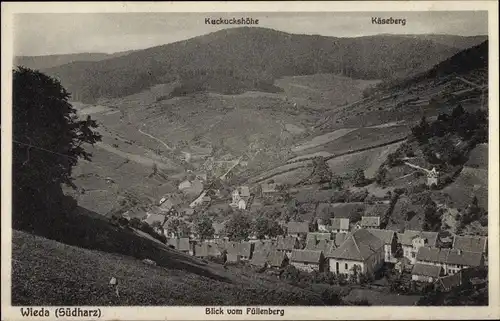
239,59
50,61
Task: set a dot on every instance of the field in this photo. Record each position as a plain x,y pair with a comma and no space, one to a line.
369,160
323,89
360,139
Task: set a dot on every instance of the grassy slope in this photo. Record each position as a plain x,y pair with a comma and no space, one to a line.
47,272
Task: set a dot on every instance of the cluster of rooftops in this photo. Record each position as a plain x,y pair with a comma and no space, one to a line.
299,245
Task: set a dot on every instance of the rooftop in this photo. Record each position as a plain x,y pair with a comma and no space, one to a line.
426,270
358,246
306,256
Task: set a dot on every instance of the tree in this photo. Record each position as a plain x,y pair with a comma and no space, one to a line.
336,182
48,138
204,227
381,176
261,227
134,222
172,226
238,227
359,178
321,172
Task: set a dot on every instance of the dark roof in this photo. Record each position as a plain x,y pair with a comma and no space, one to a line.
207,249
426,270
339,223
408,235
470,243
297,227
450,281
244,191
448,256
358,246
181,244
286,243
385,235
259,258
276,258
264,245
466,258
319,236
306,256
370,221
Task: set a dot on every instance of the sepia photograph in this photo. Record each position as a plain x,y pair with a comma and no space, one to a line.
262,159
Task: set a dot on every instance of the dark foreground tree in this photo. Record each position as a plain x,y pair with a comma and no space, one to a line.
47,143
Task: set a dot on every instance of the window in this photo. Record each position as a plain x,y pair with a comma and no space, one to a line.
413,255
337,266
346,266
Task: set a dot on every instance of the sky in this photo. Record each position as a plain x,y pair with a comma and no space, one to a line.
62,33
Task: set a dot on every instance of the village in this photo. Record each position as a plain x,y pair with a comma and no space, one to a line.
355,250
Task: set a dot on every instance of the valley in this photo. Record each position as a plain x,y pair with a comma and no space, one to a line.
204,136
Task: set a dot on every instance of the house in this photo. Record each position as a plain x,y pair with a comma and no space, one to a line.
297,229
240,197
426,273
243,249
412,240
184,185
339,225
362,249
452,261
181,244
390,243
264,245
369,222
277,260
470,243
318,241
205,250
287,244
307,260
202,199
432,177
260,258
319,236
448,282
233,257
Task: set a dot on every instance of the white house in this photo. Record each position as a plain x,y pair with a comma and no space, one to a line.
432,177
340,225
411,241
307,260
240,197
361,249
452,261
